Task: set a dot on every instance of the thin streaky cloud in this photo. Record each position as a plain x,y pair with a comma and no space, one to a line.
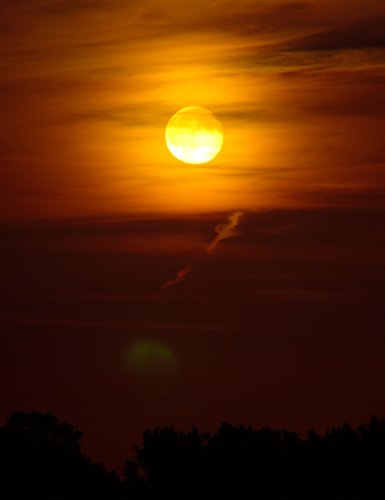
224,231
180,276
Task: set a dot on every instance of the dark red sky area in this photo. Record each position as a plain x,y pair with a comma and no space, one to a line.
283,323
282,326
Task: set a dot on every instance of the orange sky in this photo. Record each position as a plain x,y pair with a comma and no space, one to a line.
87,88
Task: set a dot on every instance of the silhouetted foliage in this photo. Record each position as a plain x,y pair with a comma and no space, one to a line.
41,457
171,461
246,463
244,459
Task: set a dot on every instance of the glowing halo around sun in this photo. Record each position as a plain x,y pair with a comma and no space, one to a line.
193,135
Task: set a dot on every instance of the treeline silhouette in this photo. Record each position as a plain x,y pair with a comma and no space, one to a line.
41,457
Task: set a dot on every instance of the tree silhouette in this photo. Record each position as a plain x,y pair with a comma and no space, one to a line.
243,460
171,461
239,461
41,457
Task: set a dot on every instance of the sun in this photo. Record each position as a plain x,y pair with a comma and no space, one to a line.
194,135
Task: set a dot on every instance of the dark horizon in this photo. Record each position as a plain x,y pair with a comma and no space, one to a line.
40,455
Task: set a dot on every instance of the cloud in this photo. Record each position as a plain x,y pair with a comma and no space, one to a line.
365,33
69,7
225,231
263,18
371,198
180,276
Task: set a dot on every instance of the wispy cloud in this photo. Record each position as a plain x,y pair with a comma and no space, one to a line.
180,276
224,231
365,33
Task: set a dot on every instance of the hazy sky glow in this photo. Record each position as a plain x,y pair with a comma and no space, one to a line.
88,87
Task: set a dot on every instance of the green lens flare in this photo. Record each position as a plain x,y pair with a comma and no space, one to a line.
148,358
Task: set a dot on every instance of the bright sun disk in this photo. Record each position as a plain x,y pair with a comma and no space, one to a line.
194,135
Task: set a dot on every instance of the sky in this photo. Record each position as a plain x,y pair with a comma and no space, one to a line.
137,290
